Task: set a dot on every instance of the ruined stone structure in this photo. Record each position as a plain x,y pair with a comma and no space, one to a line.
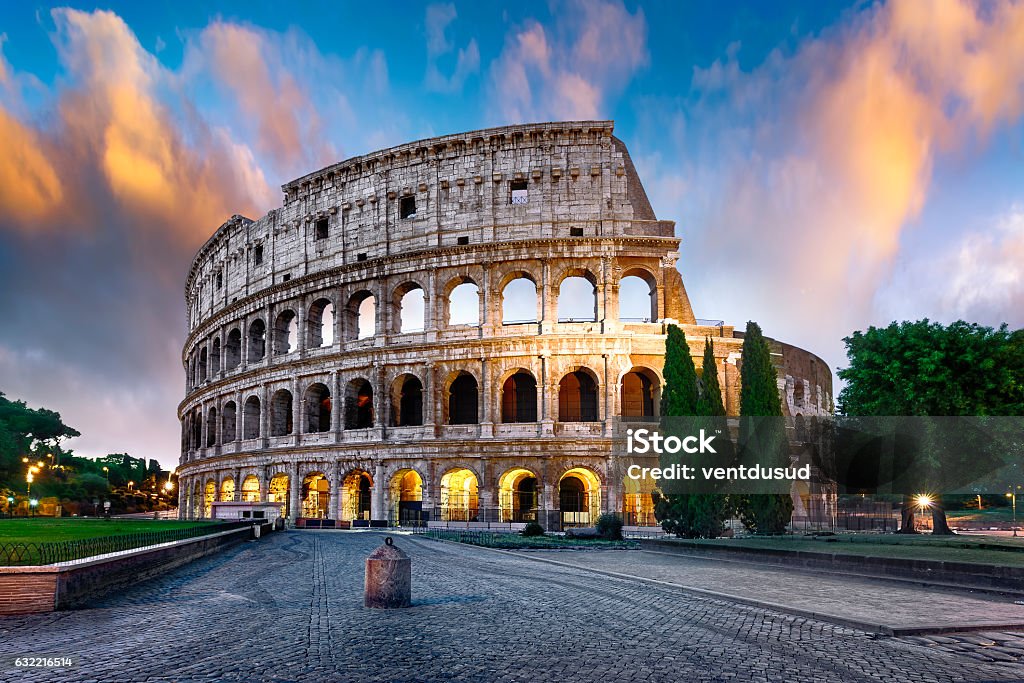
444,331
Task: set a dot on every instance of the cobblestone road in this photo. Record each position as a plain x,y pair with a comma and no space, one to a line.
289,608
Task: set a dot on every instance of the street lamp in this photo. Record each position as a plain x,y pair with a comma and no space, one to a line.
1012,495
106,474
130,485
29,478
10,506
32,503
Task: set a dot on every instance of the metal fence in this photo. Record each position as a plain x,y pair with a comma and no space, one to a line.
22,554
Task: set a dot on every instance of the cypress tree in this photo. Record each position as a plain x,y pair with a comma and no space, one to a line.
711,391
709,510
759,397
679,397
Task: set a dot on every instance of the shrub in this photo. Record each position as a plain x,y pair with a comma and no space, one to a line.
533,529
609,526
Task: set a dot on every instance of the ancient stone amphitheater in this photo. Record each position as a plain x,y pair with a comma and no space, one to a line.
445,331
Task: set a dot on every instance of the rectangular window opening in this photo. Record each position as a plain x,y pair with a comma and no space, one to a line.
286,277
361,257
220,280
462,240
520,195
321,229
258,255
407,207
575,232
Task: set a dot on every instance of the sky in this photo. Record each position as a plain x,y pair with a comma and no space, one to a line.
828,166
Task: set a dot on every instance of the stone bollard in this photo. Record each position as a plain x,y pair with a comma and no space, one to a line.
388,577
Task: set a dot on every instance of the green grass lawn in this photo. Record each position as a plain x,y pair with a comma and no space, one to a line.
517,542
987,515
979,550
50,529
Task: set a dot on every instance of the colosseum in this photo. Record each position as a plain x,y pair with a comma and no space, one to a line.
445,333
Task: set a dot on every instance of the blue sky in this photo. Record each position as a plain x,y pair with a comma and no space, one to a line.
828,166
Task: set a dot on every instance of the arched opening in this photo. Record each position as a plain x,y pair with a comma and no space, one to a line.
209,495
518,496
579,497
463,400
519,398
211,427
251,418
318,408
228,421
257,340
410,306
406,401
227,489
281,413
577,299
286,333
277,492
464,304
233,349
577,398
197,429
640,393
798,394
638,502
356,496
251,489
320,324
638,297
358,404
215,357
519,301
407,498
197,501
202,364
460,500
316,496
361,316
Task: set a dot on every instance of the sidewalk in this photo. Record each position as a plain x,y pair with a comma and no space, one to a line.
883,606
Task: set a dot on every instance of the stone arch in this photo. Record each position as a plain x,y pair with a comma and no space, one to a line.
638,296
409,302
463,399
356,495
798,393
318,408
286,333
233,349
640,393
519,493
197,428
251,489
251,418
519,300
578,396
316,495
320,324
407,401
461,302
228,420
227,488
211,427
197,500
215,357
406,497
209,495
460,495
281,413
278,491
638,502
360,318
579,497
577,295
202,364
519,397
359,404
257,340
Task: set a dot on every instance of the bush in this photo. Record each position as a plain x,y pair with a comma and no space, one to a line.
609,526
533,529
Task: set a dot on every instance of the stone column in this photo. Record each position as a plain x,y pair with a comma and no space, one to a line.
243,328
337,405
296,411
239,414
268,337
484,401
336,487
429,409
264,474
544,396
548,312
294,492
237,476
182,498
377,502
264,416
300,324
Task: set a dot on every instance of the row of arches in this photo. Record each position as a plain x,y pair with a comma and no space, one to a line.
459,496
578,401
292,329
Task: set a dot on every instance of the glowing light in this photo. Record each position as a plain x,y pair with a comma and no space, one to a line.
924,500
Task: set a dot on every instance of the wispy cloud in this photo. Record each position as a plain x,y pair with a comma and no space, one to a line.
467,60
572,69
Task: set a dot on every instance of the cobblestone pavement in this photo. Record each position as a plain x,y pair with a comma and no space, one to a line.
862,600
289,608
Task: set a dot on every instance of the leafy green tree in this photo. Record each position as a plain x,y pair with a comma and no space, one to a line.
759,397
927,369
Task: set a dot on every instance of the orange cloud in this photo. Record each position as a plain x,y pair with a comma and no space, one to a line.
29,186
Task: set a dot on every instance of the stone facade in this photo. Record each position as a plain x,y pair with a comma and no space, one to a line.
326,370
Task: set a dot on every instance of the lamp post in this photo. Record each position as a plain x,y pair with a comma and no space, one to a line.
32,503
106,475
1012,495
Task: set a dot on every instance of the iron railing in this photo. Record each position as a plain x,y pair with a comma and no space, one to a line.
51,552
